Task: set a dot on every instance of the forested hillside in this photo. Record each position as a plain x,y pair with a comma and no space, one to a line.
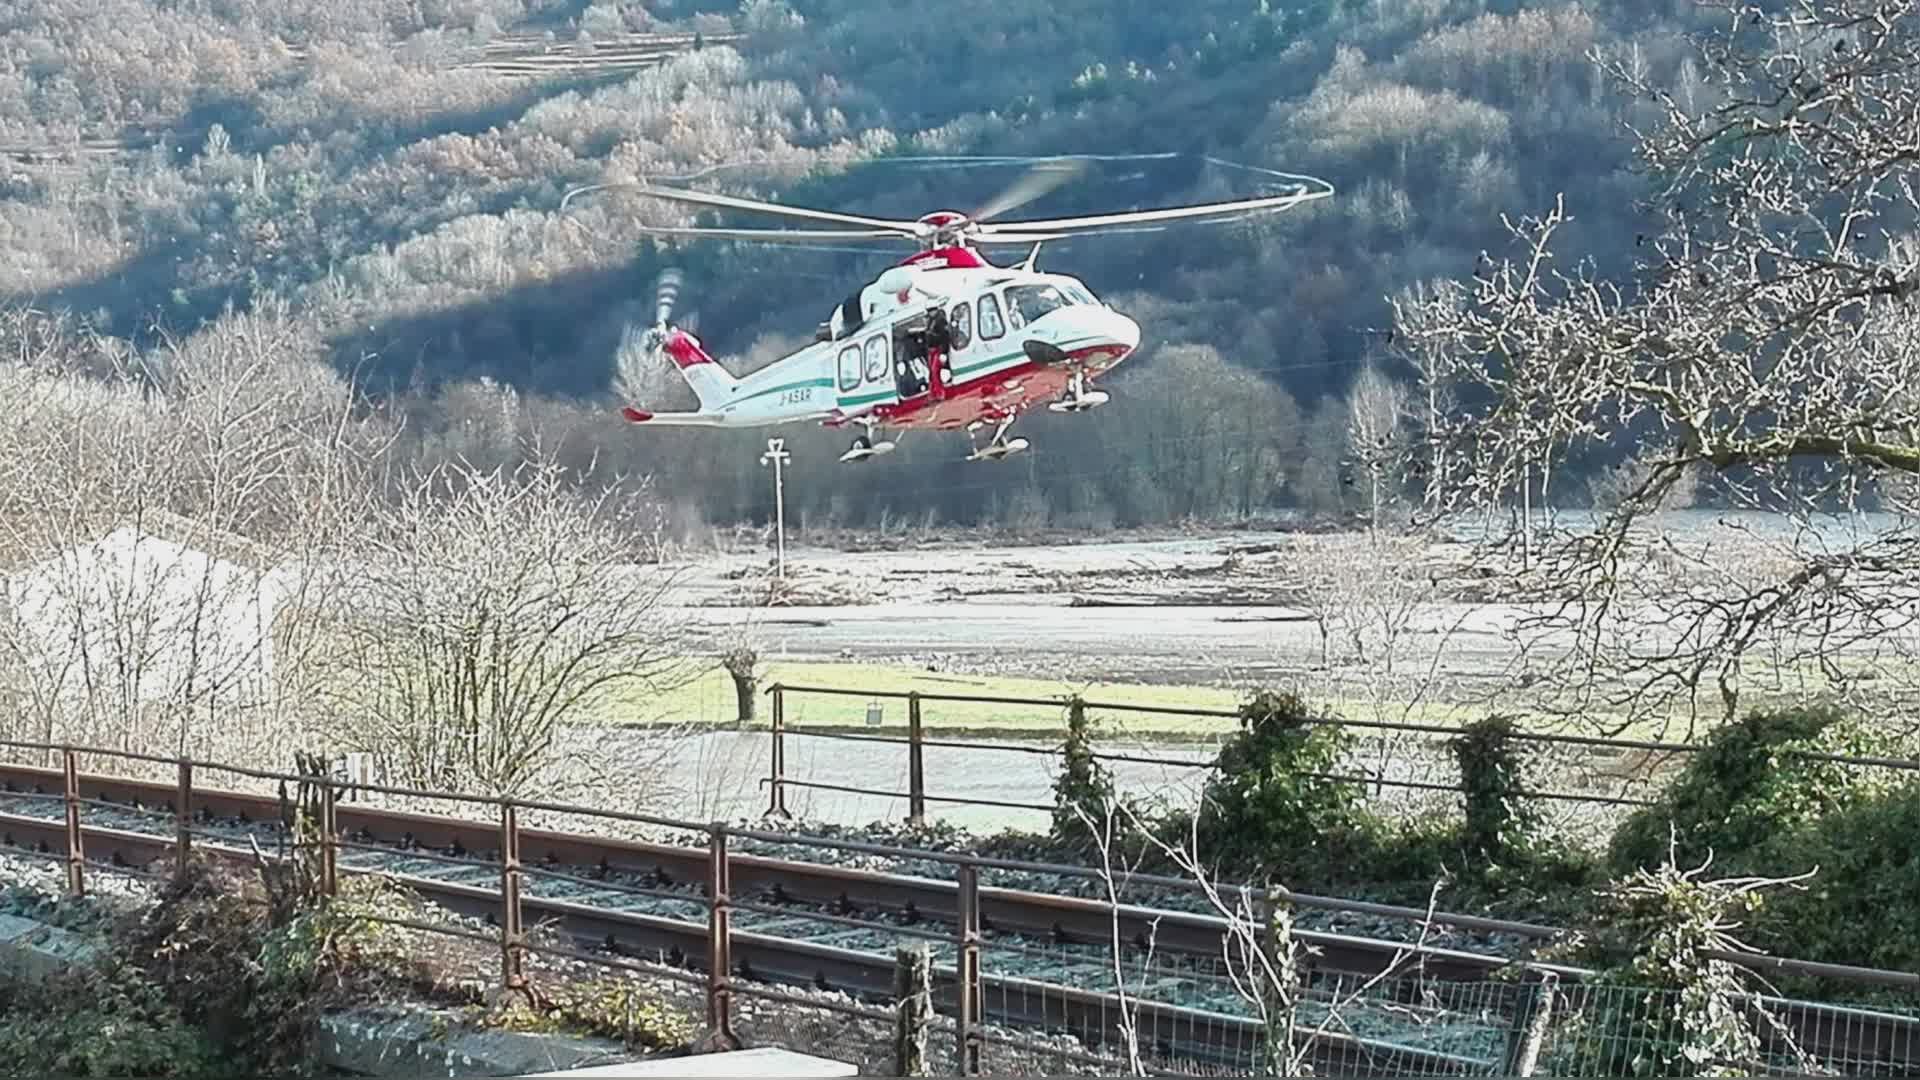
381,167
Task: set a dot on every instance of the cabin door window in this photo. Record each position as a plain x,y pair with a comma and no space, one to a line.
990,325
960,327
910,359
850,369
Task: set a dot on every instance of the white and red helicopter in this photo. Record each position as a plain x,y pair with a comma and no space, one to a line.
942,340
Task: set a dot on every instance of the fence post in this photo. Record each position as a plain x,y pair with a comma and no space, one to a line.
913,1008
513,974
183,818
916,763
777,798
1532,1014
972,996
720,1035
329,839
76,851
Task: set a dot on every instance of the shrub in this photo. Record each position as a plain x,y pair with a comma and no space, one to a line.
612,1007
1858,906
1750,786
1084,785
110,1020
1269,799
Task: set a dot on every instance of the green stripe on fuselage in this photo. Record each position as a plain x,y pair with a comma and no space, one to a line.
782,388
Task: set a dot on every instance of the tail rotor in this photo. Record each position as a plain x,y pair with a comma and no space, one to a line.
666,291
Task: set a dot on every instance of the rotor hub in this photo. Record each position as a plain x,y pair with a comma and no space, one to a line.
943,228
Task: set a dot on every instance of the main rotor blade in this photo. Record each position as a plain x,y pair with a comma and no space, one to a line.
910,228
1039,180
1017,238
1201,210
802,235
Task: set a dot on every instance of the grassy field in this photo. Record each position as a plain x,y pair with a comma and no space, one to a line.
709,700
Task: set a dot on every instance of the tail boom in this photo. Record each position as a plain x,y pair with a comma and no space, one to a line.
711,383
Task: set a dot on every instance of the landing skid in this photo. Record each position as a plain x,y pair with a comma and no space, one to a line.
1080,402
864,447
999,446
1078,398
998,449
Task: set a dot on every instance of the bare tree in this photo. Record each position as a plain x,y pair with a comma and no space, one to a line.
1376,435
1386,631
486,611
157,508
1769,341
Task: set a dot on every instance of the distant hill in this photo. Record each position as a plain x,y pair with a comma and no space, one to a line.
399,180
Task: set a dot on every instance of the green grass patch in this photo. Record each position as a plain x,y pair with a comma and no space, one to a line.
709,699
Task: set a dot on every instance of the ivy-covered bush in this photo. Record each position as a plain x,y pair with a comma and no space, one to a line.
1501,825
1861,903
1083,786
1749,787
1269,802
1760,809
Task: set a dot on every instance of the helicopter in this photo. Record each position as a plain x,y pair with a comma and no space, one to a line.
943,340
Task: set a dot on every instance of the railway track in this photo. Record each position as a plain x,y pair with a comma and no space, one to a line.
815,924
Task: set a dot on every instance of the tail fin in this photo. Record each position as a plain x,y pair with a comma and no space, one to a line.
711,383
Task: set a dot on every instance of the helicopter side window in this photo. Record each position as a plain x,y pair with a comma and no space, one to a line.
961,320
849,368
876,358
990,325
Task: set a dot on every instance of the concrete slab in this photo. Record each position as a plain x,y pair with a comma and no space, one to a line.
417,1042
32,950
762,1061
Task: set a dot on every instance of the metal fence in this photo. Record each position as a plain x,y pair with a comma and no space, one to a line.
732,937
1582,784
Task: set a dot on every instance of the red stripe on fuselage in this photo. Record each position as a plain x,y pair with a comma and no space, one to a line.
990,398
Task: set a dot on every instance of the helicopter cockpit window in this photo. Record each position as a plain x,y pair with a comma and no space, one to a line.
849,368
961,324
990,325
1025,303
876,357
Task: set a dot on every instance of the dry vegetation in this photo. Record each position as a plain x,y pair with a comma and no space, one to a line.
214,550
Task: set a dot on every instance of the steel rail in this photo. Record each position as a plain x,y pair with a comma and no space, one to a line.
1064,919
778,960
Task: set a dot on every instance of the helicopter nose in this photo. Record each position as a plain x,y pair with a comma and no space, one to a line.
1125,331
